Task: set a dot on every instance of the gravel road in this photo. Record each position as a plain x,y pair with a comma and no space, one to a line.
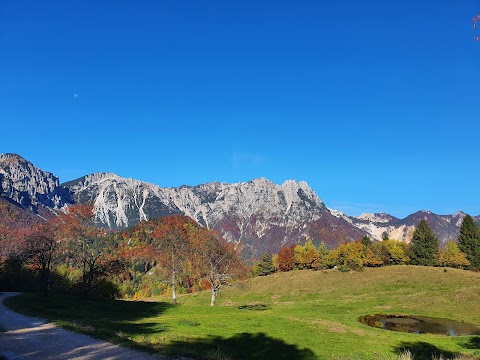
26,338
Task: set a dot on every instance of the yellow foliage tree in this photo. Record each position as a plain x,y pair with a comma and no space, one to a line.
453,256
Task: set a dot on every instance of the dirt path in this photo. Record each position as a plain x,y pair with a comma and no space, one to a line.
27,338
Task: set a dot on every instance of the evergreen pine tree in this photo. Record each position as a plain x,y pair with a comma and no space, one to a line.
366,241
265,266
424,245
469,240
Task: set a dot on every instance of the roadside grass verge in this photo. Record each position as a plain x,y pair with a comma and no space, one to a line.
296,315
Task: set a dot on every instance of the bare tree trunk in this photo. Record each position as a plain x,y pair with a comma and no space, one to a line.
174,280
174,295
214,295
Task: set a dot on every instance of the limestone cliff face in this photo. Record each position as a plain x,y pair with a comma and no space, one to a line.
257,215
446,227
29,186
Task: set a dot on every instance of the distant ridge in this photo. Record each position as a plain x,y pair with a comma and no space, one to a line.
258,215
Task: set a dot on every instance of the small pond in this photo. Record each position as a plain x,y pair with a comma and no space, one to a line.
420,325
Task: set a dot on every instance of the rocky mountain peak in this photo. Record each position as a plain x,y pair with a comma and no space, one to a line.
258,215
28,185
7,159
377,217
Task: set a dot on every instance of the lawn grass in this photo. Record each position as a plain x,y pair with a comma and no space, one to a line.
295,315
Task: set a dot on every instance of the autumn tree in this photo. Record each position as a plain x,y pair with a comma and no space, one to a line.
371,259
380,250
306,256
13,247
89,248
424,245
220,262
352,255
397,252
41,249
275,262
171,243
469,240
286,258
453,256
97,259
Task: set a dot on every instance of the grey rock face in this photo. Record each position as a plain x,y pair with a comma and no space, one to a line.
257,215
29,186
446,227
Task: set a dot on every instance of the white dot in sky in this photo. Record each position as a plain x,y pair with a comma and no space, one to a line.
75,95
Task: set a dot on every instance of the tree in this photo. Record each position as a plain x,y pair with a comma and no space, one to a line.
366,241
371,259
170,240
351,255
97,260
220,262
424,246
41,249
469,240
265,266
275,262
306,256
89,248
381,252
397,252
453,256
286,258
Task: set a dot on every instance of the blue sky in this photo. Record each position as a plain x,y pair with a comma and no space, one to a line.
374,103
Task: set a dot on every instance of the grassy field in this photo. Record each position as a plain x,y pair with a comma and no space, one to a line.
295,315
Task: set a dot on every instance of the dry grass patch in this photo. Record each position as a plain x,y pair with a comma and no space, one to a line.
329,325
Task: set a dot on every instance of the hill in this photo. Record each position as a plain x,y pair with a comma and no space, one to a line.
293,315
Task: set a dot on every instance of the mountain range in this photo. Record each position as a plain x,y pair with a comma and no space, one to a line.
258,215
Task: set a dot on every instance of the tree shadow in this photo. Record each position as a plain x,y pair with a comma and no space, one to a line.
110,319
424,351
472,343
241,346
117,321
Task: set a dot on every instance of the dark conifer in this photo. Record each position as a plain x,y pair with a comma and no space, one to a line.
469,240
424,245
265,266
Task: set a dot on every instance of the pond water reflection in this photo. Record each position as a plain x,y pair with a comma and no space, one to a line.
420,325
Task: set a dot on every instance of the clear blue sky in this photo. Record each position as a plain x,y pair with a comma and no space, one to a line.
374,103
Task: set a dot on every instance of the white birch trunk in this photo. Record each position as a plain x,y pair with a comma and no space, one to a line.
214,295
174,295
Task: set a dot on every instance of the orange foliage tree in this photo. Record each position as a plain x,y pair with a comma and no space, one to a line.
286,258
89,248
171,243
220,262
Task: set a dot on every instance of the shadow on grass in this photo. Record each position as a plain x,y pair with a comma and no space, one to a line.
241,346
424,351
114,321
87,307
473,343
109,319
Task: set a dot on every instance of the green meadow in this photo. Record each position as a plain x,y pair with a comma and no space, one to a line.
293,315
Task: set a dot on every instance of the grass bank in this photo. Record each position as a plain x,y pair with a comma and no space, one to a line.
295,315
